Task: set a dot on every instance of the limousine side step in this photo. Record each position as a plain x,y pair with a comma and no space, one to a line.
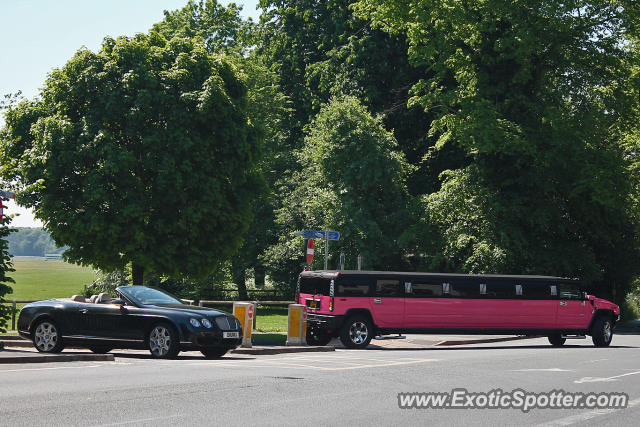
390,337
574,337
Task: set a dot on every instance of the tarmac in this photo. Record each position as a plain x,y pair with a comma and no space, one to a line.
14,349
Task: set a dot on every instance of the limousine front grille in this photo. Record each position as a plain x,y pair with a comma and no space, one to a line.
227,323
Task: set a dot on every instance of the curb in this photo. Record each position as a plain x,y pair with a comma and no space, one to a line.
47,358
282,349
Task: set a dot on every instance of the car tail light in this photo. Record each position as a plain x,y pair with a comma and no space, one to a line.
331,304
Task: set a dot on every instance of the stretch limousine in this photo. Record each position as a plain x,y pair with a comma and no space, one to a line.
358,305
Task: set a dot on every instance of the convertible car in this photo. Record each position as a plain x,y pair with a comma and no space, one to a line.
140,317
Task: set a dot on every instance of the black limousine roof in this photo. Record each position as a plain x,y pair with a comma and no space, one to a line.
329,274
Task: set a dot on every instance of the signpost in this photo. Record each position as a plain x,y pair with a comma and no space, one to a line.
320,234
310,251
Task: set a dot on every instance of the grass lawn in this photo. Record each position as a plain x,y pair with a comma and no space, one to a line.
269,318
37,279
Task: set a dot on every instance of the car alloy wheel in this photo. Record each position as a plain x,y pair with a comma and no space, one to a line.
46,337
358,332
160,341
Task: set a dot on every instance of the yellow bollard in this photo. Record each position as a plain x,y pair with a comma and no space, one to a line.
297,330
244,313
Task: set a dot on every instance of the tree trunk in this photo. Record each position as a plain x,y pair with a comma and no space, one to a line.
239,276
259,273
137,274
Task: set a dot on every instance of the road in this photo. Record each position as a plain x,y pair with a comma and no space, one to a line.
345,387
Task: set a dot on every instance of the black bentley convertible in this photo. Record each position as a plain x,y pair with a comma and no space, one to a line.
140,317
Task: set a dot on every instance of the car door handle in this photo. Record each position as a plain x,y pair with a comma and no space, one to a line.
377,300
563,303
84,311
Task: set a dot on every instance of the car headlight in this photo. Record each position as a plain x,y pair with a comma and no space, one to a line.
195,322
206,323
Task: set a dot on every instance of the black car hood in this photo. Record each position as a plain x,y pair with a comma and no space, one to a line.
193,309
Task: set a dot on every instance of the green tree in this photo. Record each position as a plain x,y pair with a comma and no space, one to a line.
139,153
353,180
535,93
5,267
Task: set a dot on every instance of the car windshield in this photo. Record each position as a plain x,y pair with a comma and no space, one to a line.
148,296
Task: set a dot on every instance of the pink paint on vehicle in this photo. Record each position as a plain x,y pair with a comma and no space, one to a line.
358,305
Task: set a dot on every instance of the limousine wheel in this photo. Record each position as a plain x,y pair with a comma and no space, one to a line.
556,340
214,353
356,332
317,338
163,341
100,349
47,338
602,331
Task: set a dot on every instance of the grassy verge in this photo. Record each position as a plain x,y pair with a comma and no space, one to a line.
269,318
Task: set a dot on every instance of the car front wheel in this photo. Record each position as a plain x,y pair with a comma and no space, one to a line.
602,331
356,332
163,341
47,337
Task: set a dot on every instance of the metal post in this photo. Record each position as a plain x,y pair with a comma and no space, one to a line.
255,312
359,262
341,260
326,248
13,315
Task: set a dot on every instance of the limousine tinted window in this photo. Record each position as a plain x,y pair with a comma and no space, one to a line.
353,287
501,290
464,290
389,288
314,285
568,291
536,290
427,289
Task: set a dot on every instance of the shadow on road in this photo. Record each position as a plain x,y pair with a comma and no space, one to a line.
179,357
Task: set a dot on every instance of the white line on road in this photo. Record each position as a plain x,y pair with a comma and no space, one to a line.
544,370
603,379
579,418
48,369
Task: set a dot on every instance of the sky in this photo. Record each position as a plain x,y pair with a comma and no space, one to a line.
39,35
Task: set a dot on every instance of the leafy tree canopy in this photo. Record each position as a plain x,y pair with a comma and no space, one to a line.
5,267
139,153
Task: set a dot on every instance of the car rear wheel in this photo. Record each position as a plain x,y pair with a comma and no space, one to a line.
47,337
163,341
100,349
315,337
556,340
356,332
214,353
602,331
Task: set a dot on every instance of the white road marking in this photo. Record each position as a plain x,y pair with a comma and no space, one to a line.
603,379
579,418
594,360
48,369
544,370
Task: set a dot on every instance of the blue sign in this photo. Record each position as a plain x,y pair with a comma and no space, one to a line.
318,234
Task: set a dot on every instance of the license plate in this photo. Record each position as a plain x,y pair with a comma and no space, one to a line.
313,304
231,335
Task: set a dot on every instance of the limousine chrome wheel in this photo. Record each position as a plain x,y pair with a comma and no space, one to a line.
602,331
356,332
46,337
163,342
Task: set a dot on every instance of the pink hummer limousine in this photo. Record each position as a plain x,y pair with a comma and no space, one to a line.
359,305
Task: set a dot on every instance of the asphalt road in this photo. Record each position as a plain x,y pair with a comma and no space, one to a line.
346,387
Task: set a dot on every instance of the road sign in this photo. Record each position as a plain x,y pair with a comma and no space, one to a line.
310,251
318,234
